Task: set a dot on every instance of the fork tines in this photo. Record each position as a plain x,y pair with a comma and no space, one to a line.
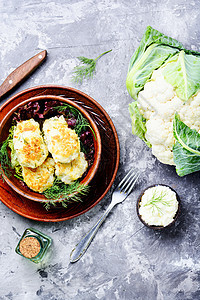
128,182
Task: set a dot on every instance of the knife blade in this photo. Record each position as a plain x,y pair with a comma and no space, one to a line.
22,72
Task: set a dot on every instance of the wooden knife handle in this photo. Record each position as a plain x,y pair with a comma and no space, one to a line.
23,71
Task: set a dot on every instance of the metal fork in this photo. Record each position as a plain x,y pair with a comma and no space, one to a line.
121,192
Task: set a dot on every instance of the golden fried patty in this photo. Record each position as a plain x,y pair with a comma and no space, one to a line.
41,178
68,173
62,142
31,150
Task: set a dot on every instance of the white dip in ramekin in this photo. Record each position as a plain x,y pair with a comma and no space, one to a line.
158,206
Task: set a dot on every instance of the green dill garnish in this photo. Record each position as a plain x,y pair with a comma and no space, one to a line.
158,198
25,141
5,163
18,171
63,193
81,122
87,69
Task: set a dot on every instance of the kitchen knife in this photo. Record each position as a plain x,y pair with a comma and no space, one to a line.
23,71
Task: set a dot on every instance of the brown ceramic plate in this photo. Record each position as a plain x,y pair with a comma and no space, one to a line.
104,177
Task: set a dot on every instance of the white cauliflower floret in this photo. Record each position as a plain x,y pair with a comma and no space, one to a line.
164,154
158,97
158,104
160,135
190,113
159,132
164,90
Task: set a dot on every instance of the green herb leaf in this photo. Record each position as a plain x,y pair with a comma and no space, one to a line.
65,194
158,197
18,171
5,163
81,122
87,69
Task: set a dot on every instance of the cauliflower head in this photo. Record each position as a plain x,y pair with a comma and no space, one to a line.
158,103
164,80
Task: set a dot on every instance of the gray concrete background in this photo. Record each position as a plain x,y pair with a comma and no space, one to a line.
126,260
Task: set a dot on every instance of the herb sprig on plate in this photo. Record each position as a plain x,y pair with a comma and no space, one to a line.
81,122
5,162
64,194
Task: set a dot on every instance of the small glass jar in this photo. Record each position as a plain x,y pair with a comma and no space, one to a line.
33,245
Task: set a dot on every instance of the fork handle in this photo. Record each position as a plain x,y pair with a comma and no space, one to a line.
84,243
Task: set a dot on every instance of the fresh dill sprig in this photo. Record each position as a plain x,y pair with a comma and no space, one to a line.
64,194
81,122
87,69
5,163
158,198
4,159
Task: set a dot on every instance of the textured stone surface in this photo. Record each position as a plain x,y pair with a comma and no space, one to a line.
126,260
